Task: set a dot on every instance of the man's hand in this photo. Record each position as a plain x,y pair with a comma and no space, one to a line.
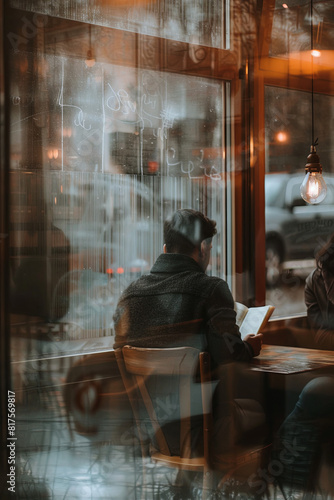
255,341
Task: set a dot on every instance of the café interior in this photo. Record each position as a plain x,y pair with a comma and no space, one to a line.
114,114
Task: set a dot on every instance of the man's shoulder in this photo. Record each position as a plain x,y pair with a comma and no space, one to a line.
214,280
204,284
188,281
142,281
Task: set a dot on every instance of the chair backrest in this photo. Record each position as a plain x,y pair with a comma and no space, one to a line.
138,364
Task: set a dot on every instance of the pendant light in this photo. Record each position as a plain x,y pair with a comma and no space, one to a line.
313,188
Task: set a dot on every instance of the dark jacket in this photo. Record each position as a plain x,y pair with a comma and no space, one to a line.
178,304
320,308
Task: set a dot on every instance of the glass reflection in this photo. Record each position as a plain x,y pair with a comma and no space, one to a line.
99,157
294,231
194,21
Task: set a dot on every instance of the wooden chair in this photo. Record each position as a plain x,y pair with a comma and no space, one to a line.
137,365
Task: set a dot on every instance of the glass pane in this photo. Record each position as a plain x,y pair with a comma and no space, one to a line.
295,231
99,155
291,31
193,21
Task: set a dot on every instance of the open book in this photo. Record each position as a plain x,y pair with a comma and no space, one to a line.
252,319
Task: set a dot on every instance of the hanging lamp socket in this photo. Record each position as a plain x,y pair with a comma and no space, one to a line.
313,161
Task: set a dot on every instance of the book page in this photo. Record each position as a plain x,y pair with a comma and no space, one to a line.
241,311
255,319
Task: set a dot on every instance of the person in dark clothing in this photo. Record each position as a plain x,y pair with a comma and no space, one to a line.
300,440
178,304
306,438
319,297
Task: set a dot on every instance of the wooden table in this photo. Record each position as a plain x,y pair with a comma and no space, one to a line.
291,360
286,371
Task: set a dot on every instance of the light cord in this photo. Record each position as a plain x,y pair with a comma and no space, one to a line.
314,142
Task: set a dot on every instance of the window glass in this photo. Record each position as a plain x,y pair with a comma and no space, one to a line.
274,192
203,22
295,231
291,28
115,150
100,155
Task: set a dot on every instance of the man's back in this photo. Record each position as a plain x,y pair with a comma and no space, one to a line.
178,304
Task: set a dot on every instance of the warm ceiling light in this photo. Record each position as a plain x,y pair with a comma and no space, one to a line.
67,131
285,6
281,136
52,153
315,53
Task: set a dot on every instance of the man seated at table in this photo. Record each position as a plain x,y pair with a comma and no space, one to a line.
178,304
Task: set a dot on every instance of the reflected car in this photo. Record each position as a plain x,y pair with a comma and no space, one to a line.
295,230
114,233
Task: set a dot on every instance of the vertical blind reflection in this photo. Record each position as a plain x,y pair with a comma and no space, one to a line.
193,21
99,157
92,234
